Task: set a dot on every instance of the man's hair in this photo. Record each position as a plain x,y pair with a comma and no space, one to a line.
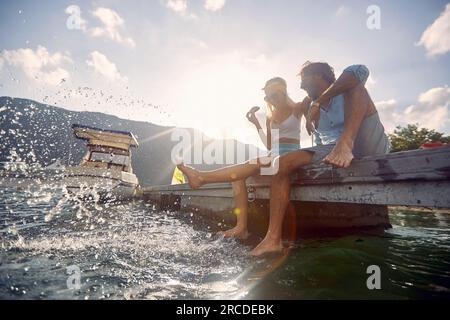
322,69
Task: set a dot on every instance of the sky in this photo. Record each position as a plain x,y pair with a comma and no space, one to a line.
202,63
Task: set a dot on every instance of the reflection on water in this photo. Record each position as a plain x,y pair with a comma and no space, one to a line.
133,251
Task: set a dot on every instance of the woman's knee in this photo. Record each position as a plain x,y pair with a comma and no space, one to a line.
292,161
239,187
238,184
284,166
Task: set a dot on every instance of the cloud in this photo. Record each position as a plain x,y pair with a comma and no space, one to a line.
111,28
432,111
180,8
342,11
39,64
385,104
436,38
214,5
193,42
112,23
101,65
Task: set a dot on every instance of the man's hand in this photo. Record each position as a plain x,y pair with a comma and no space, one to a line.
341,156
312,119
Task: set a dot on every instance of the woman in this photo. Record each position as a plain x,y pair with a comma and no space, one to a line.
283,115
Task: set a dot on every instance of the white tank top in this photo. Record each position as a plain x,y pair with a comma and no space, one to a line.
289,128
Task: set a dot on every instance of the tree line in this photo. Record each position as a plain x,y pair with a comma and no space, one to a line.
412,137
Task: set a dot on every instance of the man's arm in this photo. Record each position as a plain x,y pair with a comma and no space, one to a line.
301,108
350,78
357,104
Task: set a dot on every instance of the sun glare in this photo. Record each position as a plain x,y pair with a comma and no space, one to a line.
216,96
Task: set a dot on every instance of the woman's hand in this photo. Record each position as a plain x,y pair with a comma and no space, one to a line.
251,116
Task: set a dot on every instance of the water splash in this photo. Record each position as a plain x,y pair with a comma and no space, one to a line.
125,250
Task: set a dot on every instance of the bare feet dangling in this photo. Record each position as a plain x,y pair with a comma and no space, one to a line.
236,232
268,245
193,175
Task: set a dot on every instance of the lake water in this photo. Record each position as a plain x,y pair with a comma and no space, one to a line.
57,247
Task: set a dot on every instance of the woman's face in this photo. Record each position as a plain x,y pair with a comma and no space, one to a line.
275,98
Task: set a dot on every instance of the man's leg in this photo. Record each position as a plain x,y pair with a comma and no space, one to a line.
358,106
280,190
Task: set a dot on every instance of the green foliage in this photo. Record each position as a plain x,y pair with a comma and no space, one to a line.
411,137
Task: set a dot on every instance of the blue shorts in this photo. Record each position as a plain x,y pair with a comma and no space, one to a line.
284,148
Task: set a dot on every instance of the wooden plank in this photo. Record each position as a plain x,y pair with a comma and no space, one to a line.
418,178
433,164
434,194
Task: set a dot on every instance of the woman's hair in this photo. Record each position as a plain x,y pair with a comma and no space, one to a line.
322,69
275,81
277,84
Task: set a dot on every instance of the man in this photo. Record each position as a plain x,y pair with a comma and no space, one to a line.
345,122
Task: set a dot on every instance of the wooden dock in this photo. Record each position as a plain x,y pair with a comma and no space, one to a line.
329,198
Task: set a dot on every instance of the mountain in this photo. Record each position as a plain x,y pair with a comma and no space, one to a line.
39,133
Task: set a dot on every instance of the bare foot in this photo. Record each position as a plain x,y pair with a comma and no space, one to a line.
194,178
341,156
236,232
267,246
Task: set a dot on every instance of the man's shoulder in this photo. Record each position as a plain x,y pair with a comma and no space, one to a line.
360,71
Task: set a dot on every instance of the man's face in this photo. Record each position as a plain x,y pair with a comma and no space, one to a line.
310,83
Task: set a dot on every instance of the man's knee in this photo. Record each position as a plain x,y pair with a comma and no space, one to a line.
359,97
358,92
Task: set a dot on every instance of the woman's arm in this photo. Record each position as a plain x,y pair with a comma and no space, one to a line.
265,138
268,136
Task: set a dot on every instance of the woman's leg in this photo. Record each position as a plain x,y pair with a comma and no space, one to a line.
240,210
280,191
227,174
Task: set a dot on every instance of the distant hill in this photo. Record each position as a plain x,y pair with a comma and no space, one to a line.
38,133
